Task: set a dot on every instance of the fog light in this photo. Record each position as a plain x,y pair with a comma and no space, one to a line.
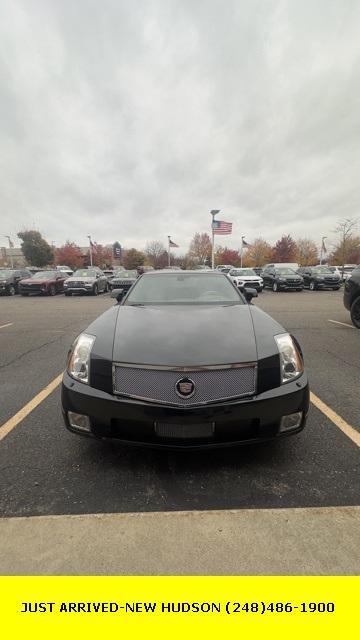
79,421
290,422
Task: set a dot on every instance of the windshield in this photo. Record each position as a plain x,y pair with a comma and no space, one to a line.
45,275
6,273
126,274
283,271
85,273
322,270
192,288
242,272
349,269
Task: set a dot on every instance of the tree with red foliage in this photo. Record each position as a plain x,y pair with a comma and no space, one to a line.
70,255
101,256
227,256
285,250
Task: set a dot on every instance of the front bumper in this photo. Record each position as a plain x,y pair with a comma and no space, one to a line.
79,289
320,284
235,422
289,286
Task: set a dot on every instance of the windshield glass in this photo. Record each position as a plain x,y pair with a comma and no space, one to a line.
191,288
6,273
349,269
85,273
321,270
284,271
44,275
242,272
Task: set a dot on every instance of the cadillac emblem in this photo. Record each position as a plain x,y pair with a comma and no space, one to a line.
185,388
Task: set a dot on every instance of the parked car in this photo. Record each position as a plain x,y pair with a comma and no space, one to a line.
319,278
352,296
90,280
246,278
47,283
109,273
281,265
65,269
156,370
258,270
334,269
123,280
346,272
10,278
282,279
224,268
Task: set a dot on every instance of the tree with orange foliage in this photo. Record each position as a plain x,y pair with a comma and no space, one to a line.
70,255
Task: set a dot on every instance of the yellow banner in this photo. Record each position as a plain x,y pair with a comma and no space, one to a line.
179,607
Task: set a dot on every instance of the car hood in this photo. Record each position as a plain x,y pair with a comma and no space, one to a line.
245,278
81,279
36,281
185,336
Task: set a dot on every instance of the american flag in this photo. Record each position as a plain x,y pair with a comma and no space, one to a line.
221,228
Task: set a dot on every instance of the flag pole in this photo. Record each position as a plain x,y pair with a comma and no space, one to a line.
169,262
213,213
90,245
241,252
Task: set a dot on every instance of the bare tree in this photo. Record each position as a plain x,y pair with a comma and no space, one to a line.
200,247
345,228
154,252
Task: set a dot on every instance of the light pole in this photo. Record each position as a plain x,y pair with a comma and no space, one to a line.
241,252
213,213
322,248
10,254
169,251
90,245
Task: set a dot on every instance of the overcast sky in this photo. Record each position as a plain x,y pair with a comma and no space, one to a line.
130,120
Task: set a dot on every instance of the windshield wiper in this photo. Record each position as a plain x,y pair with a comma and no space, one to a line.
135,304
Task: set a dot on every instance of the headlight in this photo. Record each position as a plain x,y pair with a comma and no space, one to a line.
290,359
79,358
320,278
282,279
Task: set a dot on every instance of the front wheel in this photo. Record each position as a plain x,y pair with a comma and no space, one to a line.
312,286
52,290
95,290
355,313
68,293
11,290
106,289
275,287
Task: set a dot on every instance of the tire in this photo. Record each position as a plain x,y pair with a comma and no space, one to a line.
68,293
260,289
11,290
275,287
336,288
355,313
52,290
106,288
312,286
24,295
95,290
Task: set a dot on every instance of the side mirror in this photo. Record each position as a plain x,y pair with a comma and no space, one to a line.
118,294
250,294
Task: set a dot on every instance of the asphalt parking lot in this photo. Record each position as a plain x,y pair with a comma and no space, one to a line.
47,471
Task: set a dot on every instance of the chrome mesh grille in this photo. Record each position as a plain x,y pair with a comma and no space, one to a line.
158,385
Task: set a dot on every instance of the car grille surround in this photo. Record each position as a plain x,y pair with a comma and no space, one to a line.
158,384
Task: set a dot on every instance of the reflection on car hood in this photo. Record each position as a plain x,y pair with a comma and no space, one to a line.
80,279
184,336
36,281
246,277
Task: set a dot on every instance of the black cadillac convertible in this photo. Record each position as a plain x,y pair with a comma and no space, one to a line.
184,360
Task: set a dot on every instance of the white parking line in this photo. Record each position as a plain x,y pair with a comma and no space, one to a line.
346,428
345,324
6,325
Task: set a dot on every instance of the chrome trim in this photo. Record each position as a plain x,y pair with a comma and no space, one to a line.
184,369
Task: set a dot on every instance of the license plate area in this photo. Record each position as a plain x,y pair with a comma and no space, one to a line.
184,431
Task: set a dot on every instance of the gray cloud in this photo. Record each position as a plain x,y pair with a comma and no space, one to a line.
130,121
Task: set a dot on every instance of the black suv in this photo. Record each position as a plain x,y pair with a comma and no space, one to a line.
319,278
282,278
352,296
9,280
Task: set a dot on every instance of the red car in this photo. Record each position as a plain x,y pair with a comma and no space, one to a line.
48,283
